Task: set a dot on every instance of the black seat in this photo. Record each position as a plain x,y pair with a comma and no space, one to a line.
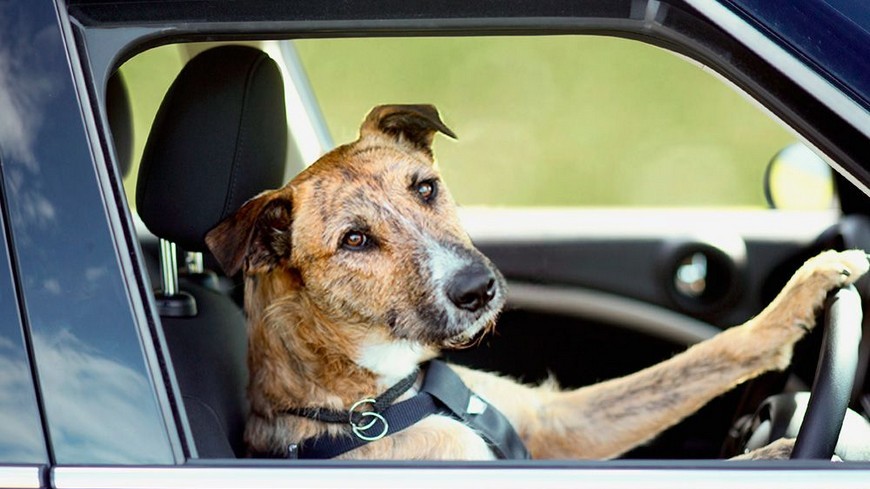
218,139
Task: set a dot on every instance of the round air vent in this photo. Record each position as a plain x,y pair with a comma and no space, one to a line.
701,277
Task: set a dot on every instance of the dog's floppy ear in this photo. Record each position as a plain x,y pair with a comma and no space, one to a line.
256,237
414,124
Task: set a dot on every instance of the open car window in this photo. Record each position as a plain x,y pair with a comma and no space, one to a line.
568,121
551,131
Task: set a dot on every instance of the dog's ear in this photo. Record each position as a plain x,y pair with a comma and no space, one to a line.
412,124
256,237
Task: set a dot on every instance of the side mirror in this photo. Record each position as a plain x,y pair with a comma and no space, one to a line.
798,179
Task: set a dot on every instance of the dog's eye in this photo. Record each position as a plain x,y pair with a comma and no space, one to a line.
426,190
354,240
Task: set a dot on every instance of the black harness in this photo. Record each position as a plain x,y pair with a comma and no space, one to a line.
368,420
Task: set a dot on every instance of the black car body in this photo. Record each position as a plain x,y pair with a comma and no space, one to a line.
89,392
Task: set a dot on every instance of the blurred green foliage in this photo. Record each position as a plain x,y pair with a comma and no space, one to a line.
559,121
542,121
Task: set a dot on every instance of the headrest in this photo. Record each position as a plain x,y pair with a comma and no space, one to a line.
120,121
219,138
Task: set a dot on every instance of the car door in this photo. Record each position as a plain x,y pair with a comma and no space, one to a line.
575,272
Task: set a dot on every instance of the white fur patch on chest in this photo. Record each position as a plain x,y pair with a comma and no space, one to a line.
391,360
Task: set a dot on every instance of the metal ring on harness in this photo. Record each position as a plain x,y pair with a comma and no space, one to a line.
359,429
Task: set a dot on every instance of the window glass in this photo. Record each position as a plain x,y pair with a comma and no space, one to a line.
21,437
559,121
100,403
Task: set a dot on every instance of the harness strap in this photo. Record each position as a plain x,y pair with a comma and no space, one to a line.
443,392
443,383
399,416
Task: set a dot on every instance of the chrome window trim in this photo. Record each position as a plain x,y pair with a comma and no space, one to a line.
626,313
791,67
767,476
21,477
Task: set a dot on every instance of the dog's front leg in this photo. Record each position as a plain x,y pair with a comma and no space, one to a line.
610,418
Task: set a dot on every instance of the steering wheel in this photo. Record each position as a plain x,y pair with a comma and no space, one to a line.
824,410
816,419
835,375
838,358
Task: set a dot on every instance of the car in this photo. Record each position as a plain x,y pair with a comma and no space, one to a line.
107,383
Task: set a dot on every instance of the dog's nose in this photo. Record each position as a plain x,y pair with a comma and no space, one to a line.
472,288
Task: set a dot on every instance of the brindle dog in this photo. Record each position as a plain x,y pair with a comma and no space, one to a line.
358,270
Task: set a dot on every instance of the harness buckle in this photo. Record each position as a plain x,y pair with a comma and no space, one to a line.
360,429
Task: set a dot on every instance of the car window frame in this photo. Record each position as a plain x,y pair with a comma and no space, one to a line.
104,47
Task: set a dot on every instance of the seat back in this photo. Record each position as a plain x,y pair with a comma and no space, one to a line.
218,139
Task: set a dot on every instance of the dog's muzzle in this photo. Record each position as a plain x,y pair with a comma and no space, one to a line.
466,295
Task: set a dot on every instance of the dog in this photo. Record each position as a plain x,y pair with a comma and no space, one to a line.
357,272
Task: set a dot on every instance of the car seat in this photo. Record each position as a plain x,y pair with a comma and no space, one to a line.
218,139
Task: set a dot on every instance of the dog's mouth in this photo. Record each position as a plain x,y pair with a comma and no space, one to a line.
471,336
446,329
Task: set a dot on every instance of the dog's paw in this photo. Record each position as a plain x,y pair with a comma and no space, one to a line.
805,293
777,450
780,449
831,269
793,313
821,274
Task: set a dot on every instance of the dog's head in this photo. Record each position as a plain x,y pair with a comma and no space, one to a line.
371,236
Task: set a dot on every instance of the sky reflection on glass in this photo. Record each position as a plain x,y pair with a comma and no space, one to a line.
21,437
99,400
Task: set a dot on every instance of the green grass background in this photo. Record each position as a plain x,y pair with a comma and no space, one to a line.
547,121
563,120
